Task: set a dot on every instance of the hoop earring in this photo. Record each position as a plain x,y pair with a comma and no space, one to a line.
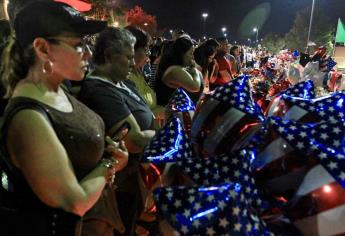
47,67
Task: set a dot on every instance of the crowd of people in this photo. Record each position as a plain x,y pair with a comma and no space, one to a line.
68,97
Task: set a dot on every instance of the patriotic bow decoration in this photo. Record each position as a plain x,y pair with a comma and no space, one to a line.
225,119
307,169
217,210
303,89
325,141
226,168
182,106
330,64
168,145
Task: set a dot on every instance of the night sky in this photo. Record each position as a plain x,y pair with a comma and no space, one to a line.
186,14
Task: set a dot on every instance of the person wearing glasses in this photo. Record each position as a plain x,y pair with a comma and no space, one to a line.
108,92
141,55
52,165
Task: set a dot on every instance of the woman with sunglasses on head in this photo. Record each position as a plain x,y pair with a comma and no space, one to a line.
52,144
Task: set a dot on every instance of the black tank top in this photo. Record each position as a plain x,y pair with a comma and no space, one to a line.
81,132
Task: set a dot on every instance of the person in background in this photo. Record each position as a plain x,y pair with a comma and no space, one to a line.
108,92
52,145
235,60
224,74
5,31
177,69
141,54
204,56
165,49
177,33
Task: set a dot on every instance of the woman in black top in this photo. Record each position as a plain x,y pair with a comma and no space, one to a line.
109,93
54,144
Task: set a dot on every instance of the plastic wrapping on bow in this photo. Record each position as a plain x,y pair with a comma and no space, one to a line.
218,210
295,73
312,71
225,119
168,145
303,89
183,107
226,168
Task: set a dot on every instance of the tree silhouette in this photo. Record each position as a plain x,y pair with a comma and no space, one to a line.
274,43
321,33
138,17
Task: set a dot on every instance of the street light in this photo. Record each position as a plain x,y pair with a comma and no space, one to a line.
257,33
223,30
310,23
204,16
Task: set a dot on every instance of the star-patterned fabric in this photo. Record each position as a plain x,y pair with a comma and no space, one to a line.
168,145
212,211
304,89
225,119
237,93
180,101
330,108
226,168
325,141
182,106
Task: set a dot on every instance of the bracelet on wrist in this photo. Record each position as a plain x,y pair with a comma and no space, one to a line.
109,164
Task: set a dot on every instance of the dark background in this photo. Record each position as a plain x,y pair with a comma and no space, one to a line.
186,14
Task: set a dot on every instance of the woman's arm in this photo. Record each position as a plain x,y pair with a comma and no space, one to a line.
36,150
136,139
178,76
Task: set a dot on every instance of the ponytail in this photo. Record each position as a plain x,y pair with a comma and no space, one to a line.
15,64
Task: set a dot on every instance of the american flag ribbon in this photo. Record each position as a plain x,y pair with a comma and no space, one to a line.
169,144
212,211
225,118
225,168
302,164
182,106
330,108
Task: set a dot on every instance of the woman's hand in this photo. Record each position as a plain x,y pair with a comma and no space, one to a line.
160,116
118,151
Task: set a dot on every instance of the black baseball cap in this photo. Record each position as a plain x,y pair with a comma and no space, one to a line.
49,18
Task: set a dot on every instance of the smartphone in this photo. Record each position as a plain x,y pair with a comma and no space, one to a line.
121,132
